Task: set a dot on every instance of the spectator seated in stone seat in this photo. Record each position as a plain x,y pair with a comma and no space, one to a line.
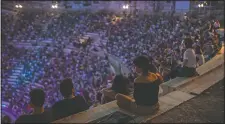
146,90
37,97
71,104
120,85
188,68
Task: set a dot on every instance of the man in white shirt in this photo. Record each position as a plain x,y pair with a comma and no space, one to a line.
189,60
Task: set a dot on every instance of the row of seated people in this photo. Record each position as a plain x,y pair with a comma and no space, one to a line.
88,72
147,83
143,100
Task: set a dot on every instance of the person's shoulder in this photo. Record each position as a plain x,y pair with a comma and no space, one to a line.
78,98
22,119
42,118
152,77
57,104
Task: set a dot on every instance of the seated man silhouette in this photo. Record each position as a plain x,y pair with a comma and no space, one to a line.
71,104
37,99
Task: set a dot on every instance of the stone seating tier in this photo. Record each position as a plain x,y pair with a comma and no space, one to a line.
176,91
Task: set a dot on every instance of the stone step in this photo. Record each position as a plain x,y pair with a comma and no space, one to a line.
16,74
210,65
13,77
12,80
14,86
91,34
18,91
19,68
104,41
33,87
38,85
26,82
168,102
204,82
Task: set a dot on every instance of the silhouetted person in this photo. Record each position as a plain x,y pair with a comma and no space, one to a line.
71,104
120,85
37,99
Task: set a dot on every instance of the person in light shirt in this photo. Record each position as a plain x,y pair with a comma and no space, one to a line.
189,60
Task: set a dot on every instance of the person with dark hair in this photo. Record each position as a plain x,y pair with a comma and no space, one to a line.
189,60
199,55
146,90
37,99
120,85
71,104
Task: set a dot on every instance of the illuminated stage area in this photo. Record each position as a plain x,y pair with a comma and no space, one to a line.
92,54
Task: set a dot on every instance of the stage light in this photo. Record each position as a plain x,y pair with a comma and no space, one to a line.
18,6
202,5
54,6
125,6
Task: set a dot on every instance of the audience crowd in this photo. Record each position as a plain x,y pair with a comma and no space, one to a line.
161,38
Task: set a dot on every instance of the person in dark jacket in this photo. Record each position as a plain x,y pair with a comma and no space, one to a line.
37,97
146,90
71,104
120,85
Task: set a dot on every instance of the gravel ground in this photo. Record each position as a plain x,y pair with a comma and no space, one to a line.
208,107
